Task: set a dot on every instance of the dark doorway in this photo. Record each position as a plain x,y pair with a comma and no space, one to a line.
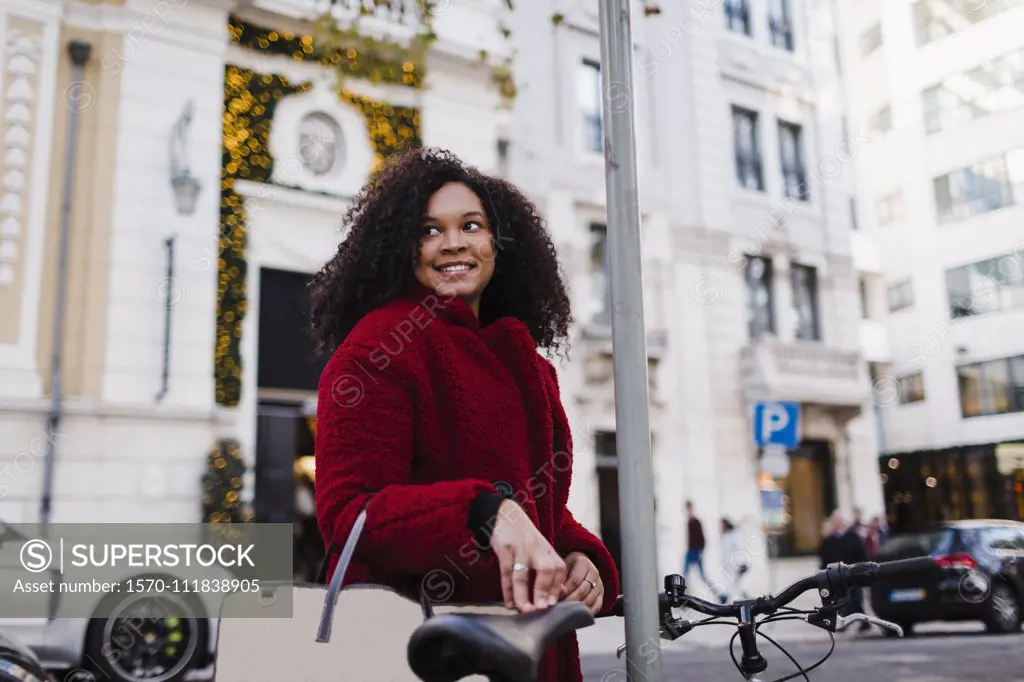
606,459
277,442
288,375
286,359
809,496
608,490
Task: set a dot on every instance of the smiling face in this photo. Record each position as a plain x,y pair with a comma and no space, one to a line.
456,254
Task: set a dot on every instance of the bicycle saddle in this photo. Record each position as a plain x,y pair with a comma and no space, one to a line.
509,648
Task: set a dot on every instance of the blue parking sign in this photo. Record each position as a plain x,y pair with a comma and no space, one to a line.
777,423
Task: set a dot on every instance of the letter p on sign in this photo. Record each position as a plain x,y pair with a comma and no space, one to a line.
777,423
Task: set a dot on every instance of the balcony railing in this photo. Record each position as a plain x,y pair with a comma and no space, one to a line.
805,372
598,339
406,14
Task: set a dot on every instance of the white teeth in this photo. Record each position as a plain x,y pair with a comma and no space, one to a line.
455,268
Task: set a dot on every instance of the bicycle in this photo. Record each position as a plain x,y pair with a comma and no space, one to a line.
504,648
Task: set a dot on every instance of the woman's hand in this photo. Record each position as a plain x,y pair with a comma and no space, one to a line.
518,544
583,582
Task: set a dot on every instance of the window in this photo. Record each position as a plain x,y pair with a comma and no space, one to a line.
960,98
737,16
838,55
870,40
591,106
804,280
988,185
864,313
760,302
747,149
601,306
1006,541
935,19
986,286
889,208
881,121
791,153
901,295
993,387
911,388
853,213
780,24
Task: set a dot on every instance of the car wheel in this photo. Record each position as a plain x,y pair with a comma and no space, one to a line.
1003,612
140,642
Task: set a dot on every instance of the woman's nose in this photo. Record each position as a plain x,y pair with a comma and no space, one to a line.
454,241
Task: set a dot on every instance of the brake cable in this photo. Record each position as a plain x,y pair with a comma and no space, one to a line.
801,671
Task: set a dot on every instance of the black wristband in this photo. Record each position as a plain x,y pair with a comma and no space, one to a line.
483,511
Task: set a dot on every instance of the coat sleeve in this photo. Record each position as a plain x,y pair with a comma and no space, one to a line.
572,536
364,449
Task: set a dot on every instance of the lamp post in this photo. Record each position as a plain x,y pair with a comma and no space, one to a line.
186,195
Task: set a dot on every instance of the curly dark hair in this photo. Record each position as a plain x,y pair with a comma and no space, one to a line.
374,263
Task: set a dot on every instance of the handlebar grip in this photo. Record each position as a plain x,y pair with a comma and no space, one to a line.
904,568
861,574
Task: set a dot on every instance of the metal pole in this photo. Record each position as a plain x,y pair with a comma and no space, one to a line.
79,52
633,430
168,304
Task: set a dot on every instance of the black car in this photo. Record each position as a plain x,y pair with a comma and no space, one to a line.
979,575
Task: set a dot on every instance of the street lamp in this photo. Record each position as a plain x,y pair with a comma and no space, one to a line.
186,192
186,195
186,186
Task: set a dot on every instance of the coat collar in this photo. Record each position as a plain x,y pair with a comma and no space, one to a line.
450,307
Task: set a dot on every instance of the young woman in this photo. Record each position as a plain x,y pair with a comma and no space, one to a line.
436,409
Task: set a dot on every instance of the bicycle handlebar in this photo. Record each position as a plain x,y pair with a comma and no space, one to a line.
836,579
833,584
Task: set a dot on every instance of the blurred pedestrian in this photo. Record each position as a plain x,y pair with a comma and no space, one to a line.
882,526
844,545
695,546
736,559
433,406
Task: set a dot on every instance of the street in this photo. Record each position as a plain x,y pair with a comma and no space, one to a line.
935,657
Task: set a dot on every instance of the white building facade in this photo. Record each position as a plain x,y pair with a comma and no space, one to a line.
746,187
742,152
938,86
181,75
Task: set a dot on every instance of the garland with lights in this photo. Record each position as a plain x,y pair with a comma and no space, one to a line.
249,102
351,56
222,485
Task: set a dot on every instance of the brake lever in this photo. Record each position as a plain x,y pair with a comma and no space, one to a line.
843,622
670,632
832,621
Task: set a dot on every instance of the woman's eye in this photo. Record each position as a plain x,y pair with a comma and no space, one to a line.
473,226
430,231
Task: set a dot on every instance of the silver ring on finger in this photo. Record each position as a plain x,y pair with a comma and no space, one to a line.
518,567
593,585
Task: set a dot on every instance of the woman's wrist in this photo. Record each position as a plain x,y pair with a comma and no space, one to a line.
483,514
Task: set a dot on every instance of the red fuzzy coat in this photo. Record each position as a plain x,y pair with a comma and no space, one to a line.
423,409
